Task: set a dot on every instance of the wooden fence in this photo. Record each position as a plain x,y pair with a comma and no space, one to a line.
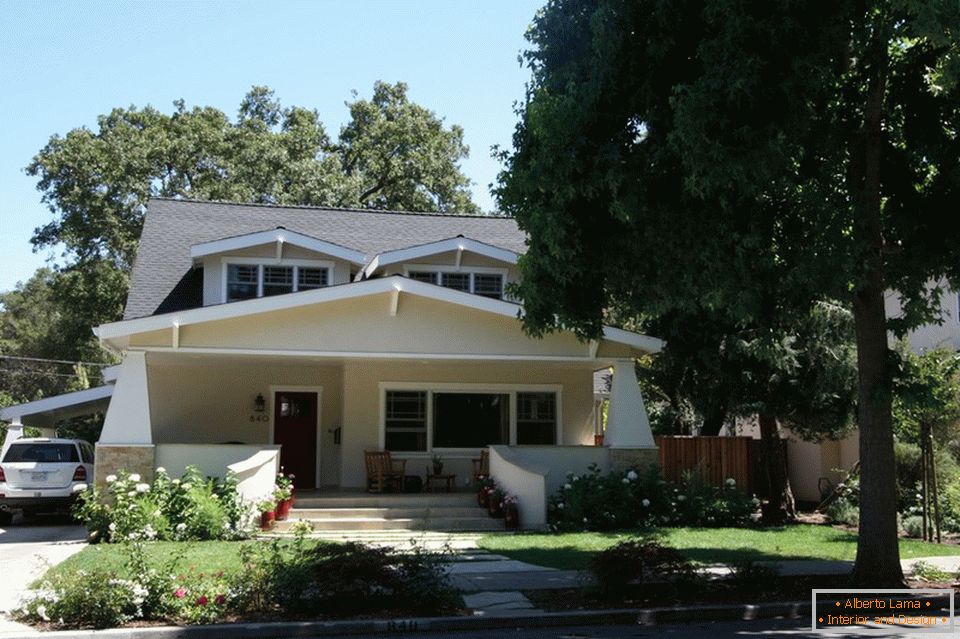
715,458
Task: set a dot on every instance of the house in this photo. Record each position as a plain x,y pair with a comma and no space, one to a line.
257,334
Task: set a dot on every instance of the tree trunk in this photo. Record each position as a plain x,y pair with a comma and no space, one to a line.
878,553
713,421
778,507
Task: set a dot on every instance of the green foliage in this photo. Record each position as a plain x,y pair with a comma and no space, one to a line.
189,508
618,501
927,395
635,561
913,526
84,600
925,571
345,580
843,512
752,159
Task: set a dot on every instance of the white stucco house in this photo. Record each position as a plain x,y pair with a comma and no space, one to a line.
258,332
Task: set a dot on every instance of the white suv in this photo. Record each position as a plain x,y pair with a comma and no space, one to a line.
39,474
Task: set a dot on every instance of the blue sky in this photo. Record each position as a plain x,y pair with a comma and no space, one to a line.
62,64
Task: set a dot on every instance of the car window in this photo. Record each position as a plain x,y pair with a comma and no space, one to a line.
41,452
86,451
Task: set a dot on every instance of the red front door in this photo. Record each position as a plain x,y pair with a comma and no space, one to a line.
295,430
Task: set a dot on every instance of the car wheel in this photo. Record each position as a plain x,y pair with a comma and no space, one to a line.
6,517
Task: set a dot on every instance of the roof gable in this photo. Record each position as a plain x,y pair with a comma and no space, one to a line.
278,236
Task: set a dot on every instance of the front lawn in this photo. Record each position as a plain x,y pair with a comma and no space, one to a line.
572,551
201,556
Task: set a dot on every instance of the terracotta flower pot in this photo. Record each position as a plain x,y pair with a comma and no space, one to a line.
511,517
267,519
283,509
493,507
483,498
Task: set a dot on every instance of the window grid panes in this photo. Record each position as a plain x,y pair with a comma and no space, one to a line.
423,276
457,281
308,278
242,281
488,285
536,418
277,280
406,421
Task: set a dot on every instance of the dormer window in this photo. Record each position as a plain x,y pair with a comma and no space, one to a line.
247,280
479,283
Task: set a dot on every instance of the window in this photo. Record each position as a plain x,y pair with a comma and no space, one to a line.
277,280
488,285
470,420
537,418
246,281
458,281
485,284
42,453
242,281
308,278
423,276
406,421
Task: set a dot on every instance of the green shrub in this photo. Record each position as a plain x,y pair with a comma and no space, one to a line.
925,571
635,561
192,507
749,576
593,501
913,526
342,580
842,511
84,599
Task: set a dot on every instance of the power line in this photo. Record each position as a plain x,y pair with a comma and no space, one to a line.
52,361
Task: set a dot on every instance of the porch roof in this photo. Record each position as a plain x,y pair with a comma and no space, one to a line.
117,335
49,410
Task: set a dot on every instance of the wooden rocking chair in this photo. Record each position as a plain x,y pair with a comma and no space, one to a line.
481,467
383,473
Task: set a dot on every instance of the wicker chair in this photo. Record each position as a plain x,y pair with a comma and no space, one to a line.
384,473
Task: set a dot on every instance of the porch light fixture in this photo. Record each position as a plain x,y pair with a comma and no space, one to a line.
260,404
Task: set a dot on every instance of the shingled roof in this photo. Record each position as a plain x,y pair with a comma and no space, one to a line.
164,279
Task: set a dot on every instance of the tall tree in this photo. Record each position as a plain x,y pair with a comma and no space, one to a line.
708,153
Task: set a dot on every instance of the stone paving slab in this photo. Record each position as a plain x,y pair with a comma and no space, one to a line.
505,566
501,581
498,601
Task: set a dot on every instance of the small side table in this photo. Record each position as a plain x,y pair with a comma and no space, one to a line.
436,479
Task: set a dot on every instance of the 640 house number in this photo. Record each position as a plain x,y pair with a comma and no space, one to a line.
260,417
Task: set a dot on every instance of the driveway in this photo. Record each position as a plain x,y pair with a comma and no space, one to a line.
27,549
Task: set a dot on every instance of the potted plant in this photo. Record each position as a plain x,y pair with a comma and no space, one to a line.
484,486
511,514
283,495
437,465
268,513
494,507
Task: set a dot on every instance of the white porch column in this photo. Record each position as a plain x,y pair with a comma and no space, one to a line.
628,425
128,418
14,431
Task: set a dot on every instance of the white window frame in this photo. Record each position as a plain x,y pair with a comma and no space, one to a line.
260,262
436,269
458,387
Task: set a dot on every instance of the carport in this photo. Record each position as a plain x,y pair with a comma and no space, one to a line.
44,414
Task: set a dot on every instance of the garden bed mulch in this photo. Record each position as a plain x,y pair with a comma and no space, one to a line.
708,592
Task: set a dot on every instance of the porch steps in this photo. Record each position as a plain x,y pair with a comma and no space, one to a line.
404,513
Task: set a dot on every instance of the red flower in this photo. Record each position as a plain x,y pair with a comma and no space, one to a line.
220,600
202,601
179,593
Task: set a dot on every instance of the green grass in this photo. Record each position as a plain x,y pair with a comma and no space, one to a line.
203,556
572,551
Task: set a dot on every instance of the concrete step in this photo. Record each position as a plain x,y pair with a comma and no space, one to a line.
385,500
419,512
438,524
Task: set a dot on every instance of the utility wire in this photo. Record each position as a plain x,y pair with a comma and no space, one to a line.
51,361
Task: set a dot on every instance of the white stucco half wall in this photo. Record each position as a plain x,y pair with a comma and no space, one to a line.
533,473
255,466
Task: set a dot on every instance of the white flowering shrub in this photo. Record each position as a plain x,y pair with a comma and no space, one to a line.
191,507
631,500
84,599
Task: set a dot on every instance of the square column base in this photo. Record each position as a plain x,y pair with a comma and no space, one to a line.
133,458
638,459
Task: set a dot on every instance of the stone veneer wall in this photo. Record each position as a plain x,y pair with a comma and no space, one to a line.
639,459
131,458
